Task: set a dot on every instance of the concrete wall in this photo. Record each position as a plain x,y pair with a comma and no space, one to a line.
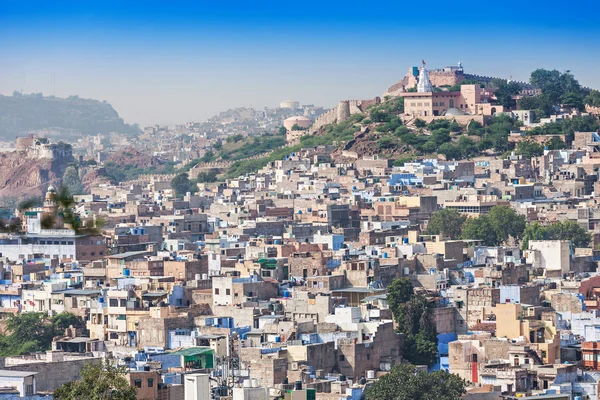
50,376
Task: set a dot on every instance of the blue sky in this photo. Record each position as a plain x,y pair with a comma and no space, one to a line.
177,61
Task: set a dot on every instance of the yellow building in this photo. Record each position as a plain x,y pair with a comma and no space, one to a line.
514,321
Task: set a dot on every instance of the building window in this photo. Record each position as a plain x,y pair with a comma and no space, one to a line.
216,291
228,292
138,383
150,382
342,358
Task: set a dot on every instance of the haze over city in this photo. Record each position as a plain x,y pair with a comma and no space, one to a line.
167,63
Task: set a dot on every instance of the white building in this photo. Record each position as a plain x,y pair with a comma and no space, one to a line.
22,381
196,387
553,256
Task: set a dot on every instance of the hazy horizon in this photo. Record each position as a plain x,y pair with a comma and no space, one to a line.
169,64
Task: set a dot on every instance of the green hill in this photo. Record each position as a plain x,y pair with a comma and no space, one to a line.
21,113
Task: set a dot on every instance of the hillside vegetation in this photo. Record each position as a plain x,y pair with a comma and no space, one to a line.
381,131
22,113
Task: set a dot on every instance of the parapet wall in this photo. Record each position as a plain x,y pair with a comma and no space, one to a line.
440,77
488,79
437,78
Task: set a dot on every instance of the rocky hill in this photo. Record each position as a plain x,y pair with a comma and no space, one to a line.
20,114
22,176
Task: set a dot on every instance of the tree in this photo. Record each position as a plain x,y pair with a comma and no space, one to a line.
72,181
381,116
447,222
555,143
506,92
450,151
569,230
208,176
399,292
541,104
405,382
560,230
386,142
560,88
33,332
534,231
415,320
98,381
209,156
419,123
182,184
467,146
475,128
593,98
506,222
529,148
500,224
64,320
497,131
480,229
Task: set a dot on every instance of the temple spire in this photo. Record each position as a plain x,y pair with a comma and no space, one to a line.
424,85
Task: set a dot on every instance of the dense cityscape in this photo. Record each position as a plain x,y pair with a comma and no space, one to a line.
439,240
284,201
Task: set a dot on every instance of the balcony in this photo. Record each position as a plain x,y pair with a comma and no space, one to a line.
117,326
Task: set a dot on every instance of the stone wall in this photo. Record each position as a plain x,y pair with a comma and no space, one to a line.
342,112
55,151
437,78
327,118
459,119
566,302
441,77
445,319
50,376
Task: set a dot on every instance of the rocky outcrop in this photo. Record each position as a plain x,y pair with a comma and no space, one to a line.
92,176
21,176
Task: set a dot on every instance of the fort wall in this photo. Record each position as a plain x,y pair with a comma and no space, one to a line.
342,112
